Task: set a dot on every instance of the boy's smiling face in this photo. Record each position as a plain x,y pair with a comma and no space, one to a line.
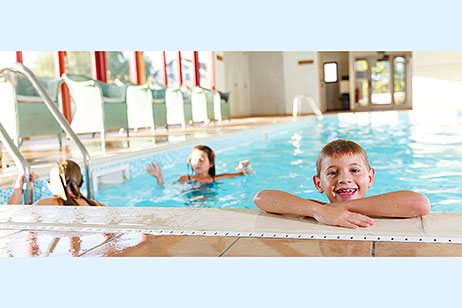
344,177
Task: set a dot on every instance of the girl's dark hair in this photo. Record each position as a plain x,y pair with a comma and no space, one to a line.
210,155
70,177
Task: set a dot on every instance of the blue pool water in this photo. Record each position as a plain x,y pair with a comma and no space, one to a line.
409,151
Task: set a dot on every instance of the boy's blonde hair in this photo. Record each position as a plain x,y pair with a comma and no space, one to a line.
340,147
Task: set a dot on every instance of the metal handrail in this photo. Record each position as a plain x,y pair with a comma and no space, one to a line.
19,160
310,100
21,68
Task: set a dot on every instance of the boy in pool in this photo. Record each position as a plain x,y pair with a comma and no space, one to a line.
344,175
202,162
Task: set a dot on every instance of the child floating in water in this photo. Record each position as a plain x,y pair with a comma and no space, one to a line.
202,162
65,183
344,175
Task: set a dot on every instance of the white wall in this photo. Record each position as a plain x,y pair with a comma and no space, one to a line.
220,76
265,83
236,81
437,80
300,79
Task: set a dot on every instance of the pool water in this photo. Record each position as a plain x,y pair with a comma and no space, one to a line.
409,151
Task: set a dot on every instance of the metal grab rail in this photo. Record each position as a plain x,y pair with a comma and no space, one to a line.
310,100
19,160
21,68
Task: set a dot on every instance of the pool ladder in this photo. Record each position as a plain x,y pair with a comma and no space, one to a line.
14,151
18,159
310,100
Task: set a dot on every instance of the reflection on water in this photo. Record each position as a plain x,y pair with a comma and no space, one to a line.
407,152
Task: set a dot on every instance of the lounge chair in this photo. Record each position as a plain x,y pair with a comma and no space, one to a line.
202,105
21,105
140,107
99,107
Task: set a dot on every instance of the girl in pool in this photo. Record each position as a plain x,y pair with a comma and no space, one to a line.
202,162
65,183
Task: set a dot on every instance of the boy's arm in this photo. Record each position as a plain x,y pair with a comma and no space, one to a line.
280,202
402,203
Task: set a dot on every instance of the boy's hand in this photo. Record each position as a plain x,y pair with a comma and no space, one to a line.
337,216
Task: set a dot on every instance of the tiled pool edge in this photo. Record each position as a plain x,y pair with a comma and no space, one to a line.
220,223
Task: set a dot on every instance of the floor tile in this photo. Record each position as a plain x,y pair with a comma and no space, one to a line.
142,245
390,249
265,247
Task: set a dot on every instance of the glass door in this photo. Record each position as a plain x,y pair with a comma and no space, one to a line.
380,81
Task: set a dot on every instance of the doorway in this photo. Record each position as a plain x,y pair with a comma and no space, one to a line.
381,81
333,75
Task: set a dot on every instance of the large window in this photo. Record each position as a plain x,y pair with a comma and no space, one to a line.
7,57
153,66
362,82
79,62
399,80
171,61
205,69
117,66
41,63
187,67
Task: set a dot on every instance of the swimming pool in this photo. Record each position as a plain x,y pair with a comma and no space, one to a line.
409,151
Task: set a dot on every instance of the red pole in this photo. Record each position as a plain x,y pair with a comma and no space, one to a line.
212,70
103,66
19,56
133,68
180,70
164,69
196,66
60,69
98,66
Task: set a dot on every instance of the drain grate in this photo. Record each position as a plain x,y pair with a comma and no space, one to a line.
253,234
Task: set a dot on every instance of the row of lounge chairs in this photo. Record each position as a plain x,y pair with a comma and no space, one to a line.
100,107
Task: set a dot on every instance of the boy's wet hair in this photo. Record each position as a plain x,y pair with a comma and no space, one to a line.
340,147
210,156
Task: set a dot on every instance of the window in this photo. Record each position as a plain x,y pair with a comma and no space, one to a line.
205,69
399,79
79,63
41,63
187,68
153,66
171,61
330,72
7,57
362,82
117,66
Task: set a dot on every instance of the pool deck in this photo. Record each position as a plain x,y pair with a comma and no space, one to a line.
162,232
186,232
